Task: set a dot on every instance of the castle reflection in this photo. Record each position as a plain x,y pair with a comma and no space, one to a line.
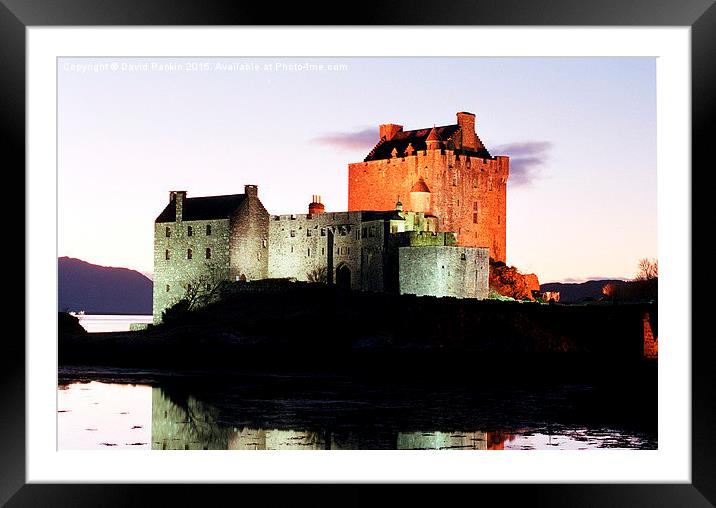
185,423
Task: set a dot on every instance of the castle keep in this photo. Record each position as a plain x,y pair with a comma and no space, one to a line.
426,211
442,171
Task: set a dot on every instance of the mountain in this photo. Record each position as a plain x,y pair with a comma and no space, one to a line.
99,289
577,292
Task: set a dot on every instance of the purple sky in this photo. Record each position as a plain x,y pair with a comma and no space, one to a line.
580,133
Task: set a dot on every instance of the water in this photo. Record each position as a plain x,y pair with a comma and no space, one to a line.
270,413
111,323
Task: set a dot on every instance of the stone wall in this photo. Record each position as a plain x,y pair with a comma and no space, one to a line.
651,346
468,194
172,275
460,272
301,243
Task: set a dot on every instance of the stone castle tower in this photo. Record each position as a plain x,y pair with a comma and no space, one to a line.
445,172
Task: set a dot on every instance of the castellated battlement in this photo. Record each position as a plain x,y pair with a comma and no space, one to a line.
425,238
497,163
323,217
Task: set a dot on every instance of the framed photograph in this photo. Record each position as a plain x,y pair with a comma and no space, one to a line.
426,251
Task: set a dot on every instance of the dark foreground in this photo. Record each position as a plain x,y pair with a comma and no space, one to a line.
356,370
314,328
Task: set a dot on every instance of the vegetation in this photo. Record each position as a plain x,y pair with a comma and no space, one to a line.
648,269
201,290
318,275
508,282
644,287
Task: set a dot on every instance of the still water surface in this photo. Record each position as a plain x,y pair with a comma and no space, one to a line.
98,415
94,323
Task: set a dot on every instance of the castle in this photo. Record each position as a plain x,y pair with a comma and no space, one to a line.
438,243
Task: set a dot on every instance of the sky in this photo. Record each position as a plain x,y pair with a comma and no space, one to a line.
580,132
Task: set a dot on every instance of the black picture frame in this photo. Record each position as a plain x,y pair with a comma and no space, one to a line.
700,15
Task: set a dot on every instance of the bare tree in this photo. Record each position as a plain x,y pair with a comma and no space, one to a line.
319,275
204,287
648,269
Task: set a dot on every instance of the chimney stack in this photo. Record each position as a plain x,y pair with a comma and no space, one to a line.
315,206
178,197
251,191
389,130
466,121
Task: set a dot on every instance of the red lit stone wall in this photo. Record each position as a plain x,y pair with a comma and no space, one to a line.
458,185
651,346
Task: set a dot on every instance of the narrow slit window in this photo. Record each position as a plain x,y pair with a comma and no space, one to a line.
208,230
167,254
169,232
188,253
208,253
189,231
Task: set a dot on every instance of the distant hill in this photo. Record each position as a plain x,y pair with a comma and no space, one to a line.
99,289
577,292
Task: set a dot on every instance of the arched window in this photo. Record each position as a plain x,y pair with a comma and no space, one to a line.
208,253
208,230
166,254
188,253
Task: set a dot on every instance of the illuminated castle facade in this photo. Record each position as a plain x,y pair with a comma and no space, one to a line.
426,211
445,172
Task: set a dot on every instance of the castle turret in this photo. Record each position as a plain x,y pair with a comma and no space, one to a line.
433,141
420,197
315,206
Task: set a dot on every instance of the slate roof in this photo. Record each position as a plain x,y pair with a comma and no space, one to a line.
420,186
369,215
418,139
433,136
203,208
